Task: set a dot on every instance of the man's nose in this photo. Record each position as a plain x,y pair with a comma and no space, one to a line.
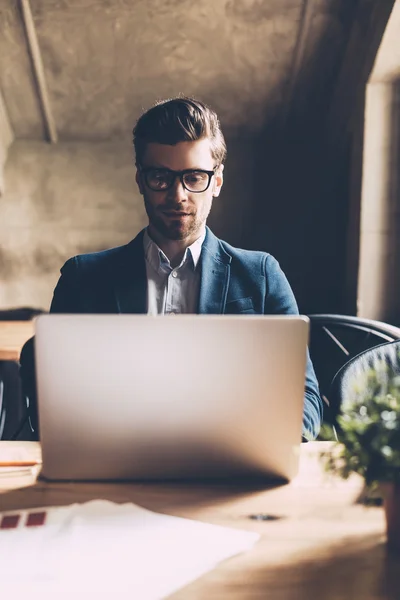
177,191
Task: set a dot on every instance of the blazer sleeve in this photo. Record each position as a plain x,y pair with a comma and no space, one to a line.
66,293
280,299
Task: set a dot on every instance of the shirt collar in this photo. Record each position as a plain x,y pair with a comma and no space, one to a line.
156,257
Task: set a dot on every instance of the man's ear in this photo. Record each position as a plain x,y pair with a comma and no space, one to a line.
139,181
218,180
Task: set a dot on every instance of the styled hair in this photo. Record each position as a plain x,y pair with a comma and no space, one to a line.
177,120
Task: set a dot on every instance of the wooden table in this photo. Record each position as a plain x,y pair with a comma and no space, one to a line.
324,544
13,335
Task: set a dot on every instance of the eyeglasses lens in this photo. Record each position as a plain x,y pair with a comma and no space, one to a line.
196,181
159,180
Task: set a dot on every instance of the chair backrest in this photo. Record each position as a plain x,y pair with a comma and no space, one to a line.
20,314
13,403
349,378
336,339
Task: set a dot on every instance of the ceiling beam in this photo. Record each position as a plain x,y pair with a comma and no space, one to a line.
38,69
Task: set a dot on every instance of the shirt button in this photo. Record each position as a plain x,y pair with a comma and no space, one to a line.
174,274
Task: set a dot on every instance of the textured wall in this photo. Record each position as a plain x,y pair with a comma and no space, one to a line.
106,60
61,201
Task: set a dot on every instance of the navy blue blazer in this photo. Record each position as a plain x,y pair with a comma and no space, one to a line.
233,281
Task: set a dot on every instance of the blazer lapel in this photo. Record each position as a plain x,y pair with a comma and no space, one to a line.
215,271
130,285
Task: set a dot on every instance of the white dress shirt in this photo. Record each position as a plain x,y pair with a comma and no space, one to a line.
172,291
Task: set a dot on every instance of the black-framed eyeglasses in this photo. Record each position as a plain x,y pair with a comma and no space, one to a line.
161,180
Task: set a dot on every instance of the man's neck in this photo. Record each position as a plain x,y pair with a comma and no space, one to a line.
174,250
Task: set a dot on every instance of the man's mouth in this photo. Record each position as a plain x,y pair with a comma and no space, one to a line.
175,213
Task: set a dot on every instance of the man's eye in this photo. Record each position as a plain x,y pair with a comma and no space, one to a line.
195,177
160,175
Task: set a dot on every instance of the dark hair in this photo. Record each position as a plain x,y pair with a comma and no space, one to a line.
176,120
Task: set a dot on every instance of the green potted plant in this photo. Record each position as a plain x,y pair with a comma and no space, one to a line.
369,440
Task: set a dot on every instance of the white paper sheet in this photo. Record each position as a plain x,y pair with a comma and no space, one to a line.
99,549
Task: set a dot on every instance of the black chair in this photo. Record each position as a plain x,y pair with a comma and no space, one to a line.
334,341
355,370
20,314
13,403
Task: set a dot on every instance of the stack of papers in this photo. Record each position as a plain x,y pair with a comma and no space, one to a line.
99,548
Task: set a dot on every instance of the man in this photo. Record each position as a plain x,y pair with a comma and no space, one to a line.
176,265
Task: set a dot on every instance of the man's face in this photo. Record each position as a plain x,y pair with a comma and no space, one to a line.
176,213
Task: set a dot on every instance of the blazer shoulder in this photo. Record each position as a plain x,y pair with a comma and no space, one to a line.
93,262
111,260
104,257
251,259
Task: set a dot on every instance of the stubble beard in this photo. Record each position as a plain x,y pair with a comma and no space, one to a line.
175,230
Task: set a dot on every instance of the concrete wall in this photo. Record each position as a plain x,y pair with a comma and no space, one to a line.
59,201
105,61
379,268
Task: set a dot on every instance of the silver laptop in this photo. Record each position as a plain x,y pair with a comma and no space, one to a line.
177,397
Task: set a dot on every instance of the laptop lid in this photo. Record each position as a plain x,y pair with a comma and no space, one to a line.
184,396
